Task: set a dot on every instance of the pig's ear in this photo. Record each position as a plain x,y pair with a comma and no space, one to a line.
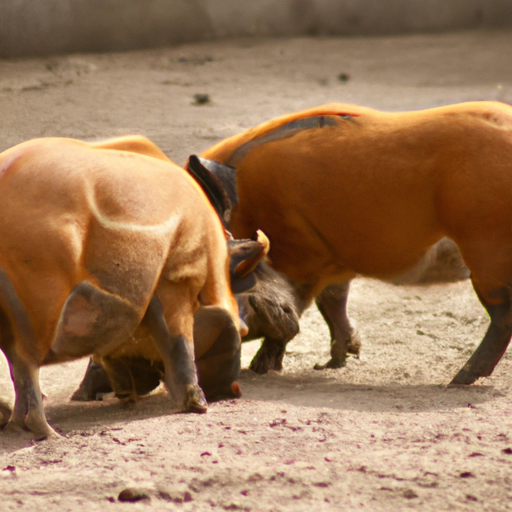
226,175
244,256
211,186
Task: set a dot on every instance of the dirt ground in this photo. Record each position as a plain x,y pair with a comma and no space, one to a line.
384,433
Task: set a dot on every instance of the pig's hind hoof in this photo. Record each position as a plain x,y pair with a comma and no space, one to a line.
464,378
354,344
332,364
5,413
195,400
269,357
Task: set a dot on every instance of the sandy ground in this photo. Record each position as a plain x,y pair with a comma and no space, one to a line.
384,433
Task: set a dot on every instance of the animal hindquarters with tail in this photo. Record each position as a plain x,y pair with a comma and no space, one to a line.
97,243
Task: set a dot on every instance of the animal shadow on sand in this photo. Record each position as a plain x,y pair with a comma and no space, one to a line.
317,390
321,390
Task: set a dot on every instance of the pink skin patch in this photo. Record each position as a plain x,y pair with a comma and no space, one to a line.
244,330
236,390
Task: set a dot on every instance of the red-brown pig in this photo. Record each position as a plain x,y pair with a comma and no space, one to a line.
272,311
100,245
343,190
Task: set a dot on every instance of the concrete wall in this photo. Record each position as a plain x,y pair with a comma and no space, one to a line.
43,27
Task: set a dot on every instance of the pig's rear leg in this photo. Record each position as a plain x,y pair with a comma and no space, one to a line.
332,304
28,412
496,339
172,328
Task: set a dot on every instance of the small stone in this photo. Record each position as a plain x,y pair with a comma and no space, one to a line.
201,99
255,477
131,494
344,77
233,506
410,494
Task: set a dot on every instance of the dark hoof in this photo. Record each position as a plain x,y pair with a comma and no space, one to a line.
82,395
128,402
332,364
354,345
269,357
262,366
259,365
464,378
195,401
5,413
94,384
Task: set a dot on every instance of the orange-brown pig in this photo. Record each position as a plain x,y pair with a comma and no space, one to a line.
343,190
131,372
101,244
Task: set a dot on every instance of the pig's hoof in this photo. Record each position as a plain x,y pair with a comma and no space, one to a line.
47,434
5,413
94,383
39,427
82,395
195,400
464,377
13,428
269,357
332,364
259,365
354,344
88,395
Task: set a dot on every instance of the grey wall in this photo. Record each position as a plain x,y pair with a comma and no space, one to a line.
42,27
